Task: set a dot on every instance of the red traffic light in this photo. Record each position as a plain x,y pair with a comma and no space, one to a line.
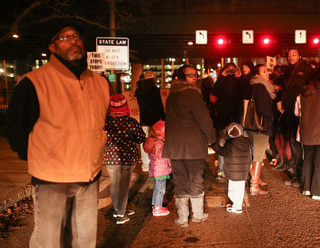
220,41
316,40
266,41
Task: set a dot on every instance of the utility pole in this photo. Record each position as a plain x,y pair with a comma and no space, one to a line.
116,87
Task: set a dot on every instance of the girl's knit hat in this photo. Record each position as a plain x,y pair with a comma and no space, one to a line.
158,128
119,104
234,130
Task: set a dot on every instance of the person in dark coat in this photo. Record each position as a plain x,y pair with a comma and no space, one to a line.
188,131
150,107
293,80
308,109
237,158
229,93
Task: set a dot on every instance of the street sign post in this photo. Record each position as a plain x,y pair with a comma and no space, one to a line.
116,50
247,36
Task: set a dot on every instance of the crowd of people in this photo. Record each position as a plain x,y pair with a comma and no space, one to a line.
290,143
60,121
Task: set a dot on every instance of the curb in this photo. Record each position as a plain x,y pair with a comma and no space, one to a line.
17,194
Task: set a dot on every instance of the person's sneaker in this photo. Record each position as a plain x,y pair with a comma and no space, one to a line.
288,182
130,212
122,219
235,211
220,175
273,162
316,197
306,192
161,211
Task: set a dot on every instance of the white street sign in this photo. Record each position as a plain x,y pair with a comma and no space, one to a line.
301,36
201,37
247,36
96,61
116,50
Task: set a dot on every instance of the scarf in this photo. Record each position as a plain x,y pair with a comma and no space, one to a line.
266,83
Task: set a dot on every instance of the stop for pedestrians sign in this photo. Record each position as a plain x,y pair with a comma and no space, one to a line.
116,50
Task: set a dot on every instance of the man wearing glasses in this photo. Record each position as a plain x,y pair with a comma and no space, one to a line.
55,121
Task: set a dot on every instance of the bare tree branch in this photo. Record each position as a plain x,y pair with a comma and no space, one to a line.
20,18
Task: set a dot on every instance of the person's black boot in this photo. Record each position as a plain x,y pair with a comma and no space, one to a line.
285,165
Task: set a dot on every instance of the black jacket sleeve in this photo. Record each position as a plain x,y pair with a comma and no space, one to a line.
222,150
22,114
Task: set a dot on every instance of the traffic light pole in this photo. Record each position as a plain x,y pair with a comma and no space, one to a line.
113,34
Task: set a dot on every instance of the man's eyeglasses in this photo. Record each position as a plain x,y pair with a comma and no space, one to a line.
192,75
67,37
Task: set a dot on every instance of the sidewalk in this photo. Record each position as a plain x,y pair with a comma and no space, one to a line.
14,177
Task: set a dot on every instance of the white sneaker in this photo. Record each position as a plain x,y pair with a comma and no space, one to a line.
316,197
233,210
306,192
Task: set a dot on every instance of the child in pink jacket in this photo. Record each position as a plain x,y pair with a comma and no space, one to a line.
159,168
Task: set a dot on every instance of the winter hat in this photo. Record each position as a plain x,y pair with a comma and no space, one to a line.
118,103
56,32
158,128
249,64
234,130
149,74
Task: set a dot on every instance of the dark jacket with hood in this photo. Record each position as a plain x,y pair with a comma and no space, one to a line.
150,103
188,128
237,159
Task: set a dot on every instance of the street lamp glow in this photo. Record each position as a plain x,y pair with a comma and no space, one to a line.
190,43
15,36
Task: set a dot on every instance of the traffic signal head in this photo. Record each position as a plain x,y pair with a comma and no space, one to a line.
220,41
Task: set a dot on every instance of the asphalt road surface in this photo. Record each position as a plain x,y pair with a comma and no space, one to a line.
281,218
